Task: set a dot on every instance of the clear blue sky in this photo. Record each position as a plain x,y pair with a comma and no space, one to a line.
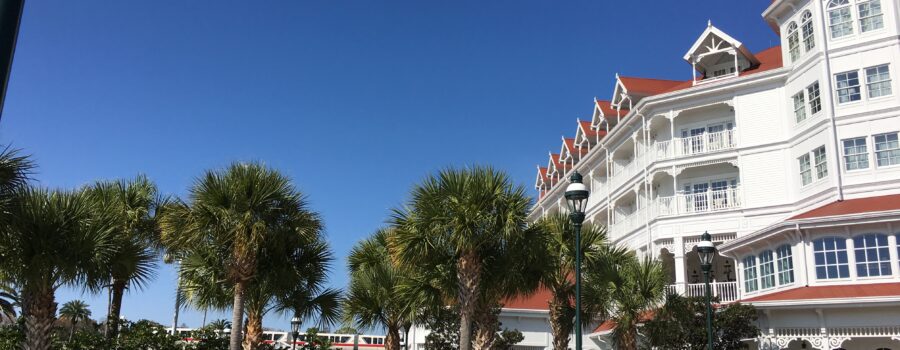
355,100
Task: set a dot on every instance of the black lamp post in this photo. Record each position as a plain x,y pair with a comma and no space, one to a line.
707,252
295,331
576,198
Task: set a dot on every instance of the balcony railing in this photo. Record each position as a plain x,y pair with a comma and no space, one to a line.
726,291
699,144
702,202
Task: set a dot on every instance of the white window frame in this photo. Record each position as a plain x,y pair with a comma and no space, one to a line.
751,276
883,81
793,39
853,154
766,262
875,18
785,264
799,106
845,27
806,26
878,255
814,97
806,177
894,152
837,264
847,87
820,160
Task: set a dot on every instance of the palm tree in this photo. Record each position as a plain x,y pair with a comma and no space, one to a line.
238,210
50,239
15,169
374,296
558,241
466,210
635,288
75,311
132,203
9,301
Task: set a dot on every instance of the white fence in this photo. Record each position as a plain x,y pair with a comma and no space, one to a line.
726,291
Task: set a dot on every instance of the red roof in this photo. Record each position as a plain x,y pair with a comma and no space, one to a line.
648,86
608,111
609,325
570,145
588,130
833,292
768,59
853,206
540,300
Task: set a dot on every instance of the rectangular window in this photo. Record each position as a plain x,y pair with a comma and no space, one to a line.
785,265
870,16
856,155
805,170
872,255
750,282
830,254
841,22
809,41
815,103
878,81
887,149
821,162
799,107
766,270
848,87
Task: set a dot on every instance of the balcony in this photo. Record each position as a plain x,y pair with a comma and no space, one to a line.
727,292
702,202
627,223
695,145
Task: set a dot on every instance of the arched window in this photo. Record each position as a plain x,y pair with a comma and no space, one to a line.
766,270
750,282
831,258
872,255
840,20
785,265
870,15
809,40
793,41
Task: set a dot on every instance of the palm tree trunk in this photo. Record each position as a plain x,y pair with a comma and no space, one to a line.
254,329
468,272
39,309
561,321
392,339
486,330
72,331
237,316
115,308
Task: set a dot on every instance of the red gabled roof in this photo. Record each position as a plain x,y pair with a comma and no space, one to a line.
608,111
649,86
833,292
540,300
853,206
542,172
570,145
587,129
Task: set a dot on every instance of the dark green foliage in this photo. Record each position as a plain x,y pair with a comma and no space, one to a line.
313,341
444,335
147,335
11,336
681,325
507,338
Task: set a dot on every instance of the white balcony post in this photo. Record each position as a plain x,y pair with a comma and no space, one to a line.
678,247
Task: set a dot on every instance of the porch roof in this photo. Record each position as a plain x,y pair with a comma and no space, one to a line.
844,292
540,300
853,206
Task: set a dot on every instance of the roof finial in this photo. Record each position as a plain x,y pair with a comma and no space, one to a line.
708,23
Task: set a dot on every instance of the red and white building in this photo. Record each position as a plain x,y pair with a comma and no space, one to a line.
789,156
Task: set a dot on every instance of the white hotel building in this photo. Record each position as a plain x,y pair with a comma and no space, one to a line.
788,156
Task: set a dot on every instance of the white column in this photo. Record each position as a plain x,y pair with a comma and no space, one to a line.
851,258
892,243
680,273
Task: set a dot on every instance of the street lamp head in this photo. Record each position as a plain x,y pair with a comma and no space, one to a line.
706,250
295,325
576,194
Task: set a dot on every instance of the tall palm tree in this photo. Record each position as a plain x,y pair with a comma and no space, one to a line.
9,301
238,209
15,169
133,204
635,288
75,311
557,271
50,239
466,209
374,297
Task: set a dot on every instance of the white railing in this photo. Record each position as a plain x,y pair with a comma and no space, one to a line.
621,173
699,144
702,202
726,292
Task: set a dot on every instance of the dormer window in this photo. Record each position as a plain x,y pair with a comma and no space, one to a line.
717,55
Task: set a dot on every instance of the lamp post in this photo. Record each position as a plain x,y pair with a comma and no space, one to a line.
295,331
576,198
707,252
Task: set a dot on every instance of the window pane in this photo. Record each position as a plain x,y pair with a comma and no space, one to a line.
785,265
821,162
878,81
831,258
870,16
872,255
848,87
887,149
799,107
805,170
815,103
856,154
840,22
809,41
